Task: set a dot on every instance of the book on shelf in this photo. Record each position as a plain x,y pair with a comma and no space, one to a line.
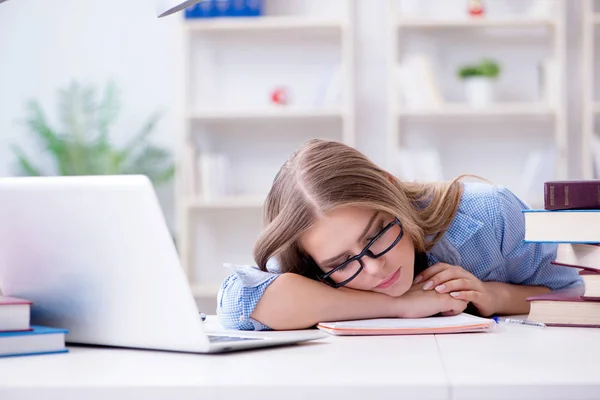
566,307
39,340
574,194
564,226
225,8
14,314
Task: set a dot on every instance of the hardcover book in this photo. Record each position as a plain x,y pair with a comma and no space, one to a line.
568,195
565,308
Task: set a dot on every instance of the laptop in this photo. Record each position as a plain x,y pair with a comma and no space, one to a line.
95,256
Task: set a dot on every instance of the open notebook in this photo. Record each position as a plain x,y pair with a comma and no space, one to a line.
408,326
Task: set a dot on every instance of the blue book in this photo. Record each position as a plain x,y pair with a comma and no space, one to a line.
225,8
39,340
567,226
204,9
253,8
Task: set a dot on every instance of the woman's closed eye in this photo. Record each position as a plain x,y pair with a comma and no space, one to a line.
374,234
342,268
331,267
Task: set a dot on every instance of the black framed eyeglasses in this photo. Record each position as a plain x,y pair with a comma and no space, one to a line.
385,240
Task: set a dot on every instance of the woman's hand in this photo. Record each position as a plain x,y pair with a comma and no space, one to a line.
460,284
424,303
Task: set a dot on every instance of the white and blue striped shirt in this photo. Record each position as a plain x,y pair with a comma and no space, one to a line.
485,238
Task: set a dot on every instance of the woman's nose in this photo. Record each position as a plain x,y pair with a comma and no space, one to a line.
374,266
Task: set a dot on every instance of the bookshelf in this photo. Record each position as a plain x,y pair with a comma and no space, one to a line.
514,22
523,129
231,66
457,110
275,24
590,110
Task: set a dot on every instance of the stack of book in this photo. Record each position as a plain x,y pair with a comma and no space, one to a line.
571,218
19,338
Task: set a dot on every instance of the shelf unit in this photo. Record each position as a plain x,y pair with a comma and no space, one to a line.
590,106
242,126
278,24
275,115
505,111
514,22
461,110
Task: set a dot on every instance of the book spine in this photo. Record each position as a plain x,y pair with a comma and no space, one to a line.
571,195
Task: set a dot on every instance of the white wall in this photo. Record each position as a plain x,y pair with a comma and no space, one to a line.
44,45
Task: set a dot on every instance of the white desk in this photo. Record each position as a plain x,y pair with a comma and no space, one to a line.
514,362
523,363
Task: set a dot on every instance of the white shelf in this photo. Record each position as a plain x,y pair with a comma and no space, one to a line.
266,23
205,289
474,23
227,202
462,110
266,114
596,18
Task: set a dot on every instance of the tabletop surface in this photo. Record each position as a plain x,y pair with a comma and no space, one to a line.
509,362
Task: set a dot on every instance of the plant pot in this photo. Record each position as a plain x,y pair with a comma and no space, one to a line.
479,91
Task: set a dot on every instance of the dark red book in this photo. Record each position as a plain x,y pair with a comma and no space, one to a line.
579,255
571,195
565,308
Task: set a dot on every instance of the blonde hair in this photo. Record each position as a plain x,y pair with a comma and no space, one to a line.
323,175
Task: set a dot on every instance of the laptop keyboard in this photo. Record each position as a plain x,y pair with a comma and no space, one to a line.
219,338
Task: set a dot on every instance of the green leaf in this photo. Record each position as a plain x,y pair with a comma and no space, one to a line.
108,110
486,67
37,123
468,72
26,167
489,68
84,145
153,162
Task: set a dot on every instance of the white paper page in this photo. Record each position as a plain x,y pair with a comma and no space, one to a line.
394,323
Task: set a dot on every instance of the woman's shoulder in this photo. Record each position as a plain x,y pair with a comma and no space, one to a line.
481,195
487,202
479,200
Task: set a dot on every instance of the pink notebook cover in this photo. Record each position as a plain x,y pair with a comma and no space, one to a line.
8,301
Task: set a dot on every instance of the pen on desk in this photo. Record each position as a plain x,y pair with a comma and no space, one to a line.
518,322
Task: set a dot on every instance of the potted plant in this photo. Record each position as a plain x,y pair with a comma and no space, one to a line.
82,145
479,82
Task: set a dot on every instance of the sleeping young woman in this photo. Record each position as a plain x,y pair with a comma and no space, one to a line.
344,239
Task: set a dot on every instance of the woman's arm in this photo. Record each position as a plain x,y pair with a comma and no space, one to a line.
510,299
294,302
251,299
527,263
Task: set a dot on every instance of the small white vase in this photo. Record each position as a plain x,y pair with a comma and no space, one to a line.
479,91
